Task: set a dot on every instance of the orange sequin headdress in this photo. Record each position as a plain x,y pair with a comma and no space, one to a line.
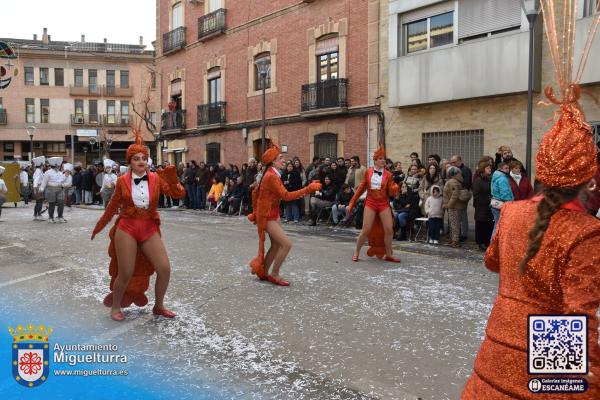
138,146
380,152
271,153
567,153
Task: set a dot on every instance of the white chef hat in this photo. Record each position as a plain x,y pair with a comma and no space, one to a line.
123,169
55,161
108,163
24,164
39,161
2,169
68,167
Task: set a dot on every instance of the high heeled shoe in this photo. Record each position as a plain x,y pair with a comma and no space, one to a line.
277,281
355,258
164,312
392,259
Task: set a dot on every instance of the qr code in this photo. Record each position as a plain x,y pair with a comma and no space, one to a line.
557,344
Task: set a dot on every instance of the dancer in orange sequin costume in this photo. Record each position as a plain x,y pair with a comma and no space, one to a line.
136,249
546,251
378,220
265,205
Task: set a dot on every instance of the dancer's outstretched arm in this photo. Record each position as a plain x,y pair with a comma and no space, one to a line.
275,184
111,209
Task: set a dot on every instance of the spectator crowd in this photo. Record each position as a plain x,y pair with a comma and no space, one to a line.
435,193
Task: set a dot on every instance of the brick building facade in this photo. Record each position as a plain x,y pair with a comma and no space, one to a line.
69,88
321,90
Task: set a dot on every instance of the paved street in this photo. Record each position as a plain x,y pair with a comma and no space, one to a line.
343,330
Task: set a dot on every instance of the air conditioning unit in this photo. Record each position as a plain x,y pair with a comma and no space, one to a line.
79,119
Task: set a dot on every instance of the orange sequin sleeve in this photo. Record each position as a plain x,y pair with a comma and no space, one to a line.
112,208
580,285
169,182
359,191
492,254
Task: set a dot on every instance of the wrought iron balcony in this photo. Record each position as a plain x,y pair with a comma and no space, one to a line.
174,40
173,120
324,95
90,90
3,116
114,91
212,24
212,114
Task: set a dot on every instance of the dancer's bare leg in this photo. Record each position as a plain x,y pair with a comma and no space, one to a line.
270,257
388,230
277,235
126,249
154,250
368,218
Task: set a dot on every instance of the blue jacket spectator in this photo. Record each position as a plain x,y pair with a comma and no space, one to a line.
501,187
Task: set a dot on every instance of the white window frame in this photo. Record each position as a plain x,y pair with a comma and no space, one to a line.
403,36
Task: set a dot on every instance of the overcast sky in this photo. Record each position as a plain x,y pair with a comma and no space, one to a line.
119,21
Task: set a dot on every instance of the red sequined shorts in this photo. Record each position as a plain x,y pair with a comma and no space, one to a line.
273,214
139,229
377,205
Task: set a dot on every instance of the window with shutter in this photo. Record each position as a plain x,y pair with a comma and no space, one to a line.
477,17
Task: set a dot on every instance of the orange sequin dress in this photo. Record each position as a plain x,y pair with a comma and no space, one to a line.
388,189
563,278
265,206
165,182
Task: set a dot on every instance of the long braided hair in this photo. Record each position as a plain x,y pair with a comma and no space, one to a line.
551,202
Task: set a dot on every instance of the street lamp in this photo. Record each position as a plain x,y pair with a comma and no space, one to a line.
30,131
531,8
263,65
108,142
85,149
92,142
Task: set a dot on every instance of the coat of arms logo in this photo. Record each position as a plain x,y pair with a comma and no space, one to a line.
30,354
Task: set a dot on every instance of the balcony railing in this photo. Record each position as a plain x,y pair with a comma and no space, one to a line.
113,91
90,90
325,94
100,119
3,117
212,24
211,114
173,120
174,40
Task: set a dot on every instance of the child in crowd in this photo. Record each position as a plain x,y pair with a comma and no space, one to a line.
435,213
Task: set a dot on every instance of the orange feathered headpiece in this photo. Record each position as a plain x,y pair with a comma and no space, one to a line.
271,154
567,153
138,146
380,152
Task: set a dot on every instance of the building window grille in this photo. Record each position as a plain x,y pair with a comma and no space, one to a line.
468,144
213,153
326,145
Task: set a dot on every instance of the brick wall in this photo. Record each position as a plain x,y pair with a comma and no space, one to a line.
287,22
